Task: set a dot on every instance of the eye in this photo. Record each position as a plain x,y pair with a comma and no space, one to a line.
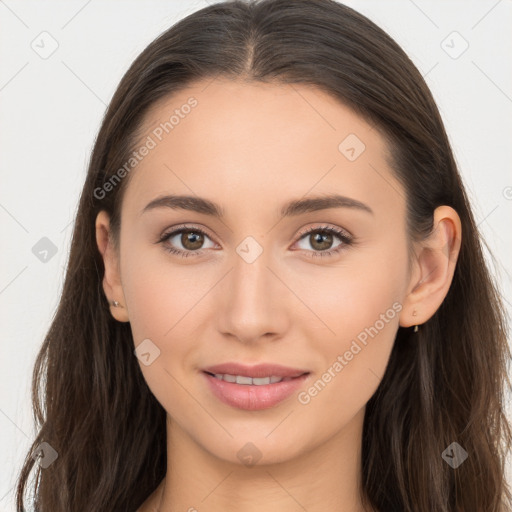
192,238
321,238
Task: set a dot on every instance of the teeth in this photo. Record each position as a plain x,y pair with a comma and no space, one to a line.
256,381
260,381
243,380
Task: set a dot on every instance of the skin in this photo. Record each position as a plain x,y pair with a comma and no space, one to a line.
251,148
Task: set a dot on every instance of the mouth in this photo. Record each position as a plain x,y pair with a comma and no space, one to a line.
253,393
262,370
253,381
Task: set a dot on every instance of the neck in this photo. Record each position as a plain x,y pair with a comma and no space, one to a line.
327,477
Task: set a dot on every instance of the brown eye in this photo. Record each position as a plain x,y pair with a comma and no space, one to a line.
192,240
321,239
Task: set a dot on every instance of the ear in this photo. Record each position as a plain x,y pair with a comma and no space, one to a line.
111,280
433,269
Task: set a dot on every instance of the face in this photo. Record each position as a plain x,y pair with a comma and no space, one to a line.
318,290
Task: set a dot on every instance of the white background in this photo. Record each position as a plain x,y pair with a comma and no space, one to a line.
50,112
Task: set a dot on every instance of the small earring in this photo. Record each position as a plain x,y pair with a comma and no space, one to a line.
115,303
415,327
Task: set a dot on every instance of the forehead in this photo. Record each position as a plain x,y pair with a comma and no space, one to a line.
244,112
220,136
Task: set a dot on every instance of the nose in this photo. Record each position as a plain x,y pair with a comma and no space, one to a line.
253,301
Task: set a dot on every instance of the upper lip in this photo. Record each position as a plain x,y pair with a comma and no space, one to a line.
259,370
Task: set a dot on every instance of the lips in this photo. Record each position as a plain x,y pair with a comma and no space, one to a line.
255,371
255,387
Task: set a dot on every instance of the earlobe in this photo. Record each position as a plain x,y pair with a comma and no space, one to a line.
434,268
111,280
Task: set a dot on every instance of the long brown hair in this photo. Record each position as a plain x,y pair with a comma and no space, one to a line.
444,385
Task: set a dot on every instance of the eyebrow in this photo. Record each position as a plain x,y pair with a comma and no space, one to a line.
292,208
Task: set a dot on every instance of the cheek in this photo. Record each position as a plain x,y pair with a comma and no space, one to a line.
355,294
167,304
158,293
161,308
363,313
359,306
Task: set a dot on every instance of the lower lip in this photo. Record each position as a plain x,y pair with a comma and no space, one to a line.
251,397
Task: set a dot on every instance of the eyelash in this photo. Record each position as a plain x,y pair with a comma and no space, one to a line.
341,234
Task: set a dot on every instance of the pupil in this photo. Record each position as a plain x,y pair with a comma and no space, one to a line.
195,239
318,239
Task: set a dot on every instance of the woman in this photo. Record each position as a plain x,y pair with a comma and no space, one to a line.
276,297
